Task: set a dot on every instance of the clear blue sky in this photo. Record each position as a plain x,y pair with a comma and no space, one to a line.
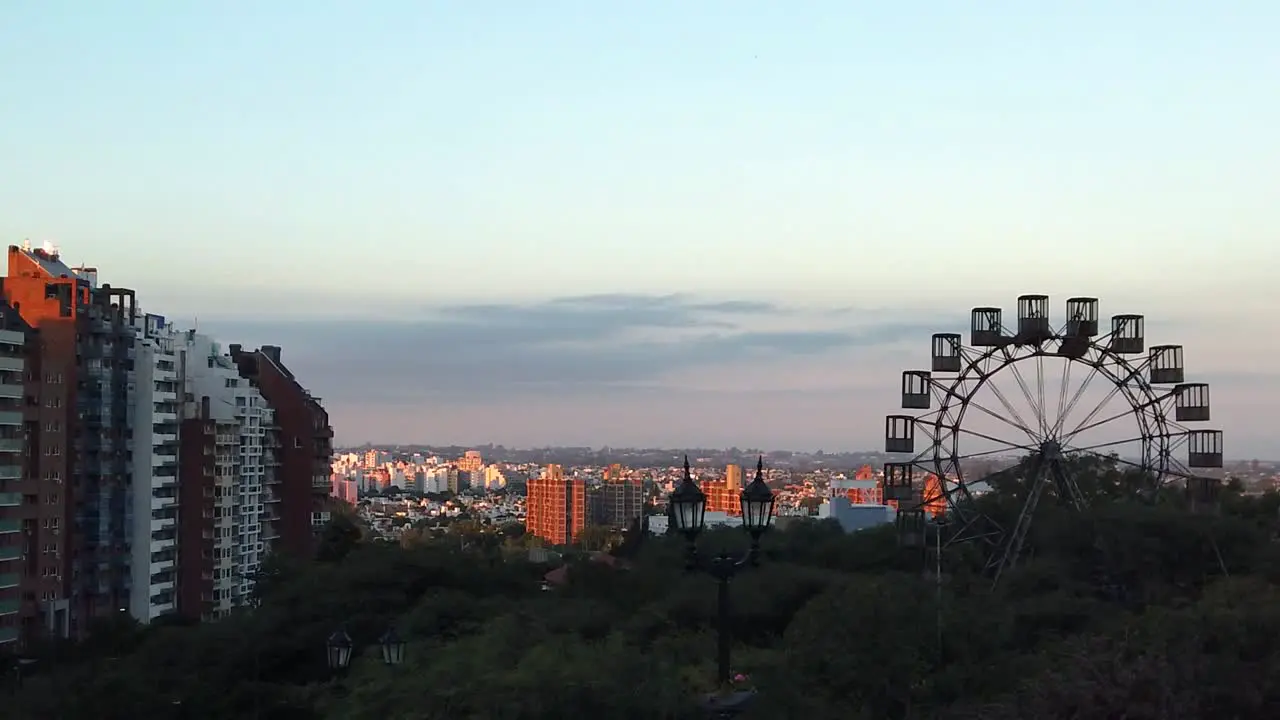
232,161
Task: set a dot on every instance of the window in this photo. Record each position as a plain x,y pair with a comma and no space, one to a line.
297,442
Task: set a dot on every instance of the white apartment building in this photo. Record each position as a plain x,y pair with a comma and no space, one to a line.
435,480
244,503
153,395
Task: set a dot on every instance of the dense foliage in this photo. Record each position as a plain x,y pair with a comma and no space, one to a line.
1125,610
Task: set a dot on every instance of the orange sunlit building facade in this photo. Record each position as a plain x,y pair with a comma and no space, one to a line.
930,492
556,507
725,495
865,490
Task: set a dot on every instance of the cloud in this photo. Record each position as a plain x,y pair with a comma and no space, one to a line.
566,345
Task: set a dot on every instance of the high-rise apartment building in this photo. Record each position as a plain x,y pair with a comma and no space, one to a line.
556,507
615,504
24,521
300,441
154,561
141,469
78,434
230,507
471,461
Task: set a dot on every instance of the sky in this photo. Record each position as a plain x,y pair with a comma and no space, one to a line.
654,223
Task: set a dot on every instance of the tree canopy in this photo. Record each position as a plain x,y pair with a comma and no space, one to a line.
1122,610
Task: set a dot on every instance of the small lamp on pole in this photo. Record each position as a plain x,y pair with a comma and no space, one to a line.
339,647
757,505
392,647
688,506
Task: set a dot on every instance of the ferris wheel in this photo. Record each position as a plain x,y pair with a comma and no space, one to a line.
1021,406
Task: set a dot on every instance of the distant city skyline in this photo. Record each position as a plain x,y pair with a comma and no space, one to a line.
660,223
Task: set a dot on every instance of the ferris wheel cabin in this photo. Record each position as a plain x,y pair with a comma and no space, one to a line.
987,330
915,389
900,434
1191,402
1203,493
1165,365
1082,317
1033,320
1204,449
898,482
1128,336
946,353
911,527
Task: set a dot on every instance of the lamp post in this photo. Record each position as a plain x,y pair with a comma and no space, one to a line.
339,647
392,647
688,512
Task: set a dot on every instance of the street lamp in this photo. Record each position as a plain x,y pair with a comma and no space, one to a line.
339,646
392,647
688,512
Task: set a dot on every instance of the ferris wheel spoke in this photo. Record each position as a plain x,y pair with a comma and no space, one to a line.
1044,408
1013,412
1061,420
984,453
1112,457
1120,416
984,436
1114,443
1026,390
1062,396
997,416
1115,390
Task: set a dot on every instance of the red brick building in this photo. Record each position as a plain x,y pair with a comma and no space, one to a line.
303,441
73,411
556,507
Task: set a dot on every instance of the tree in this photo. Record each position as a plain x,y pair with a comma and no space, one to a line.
1125,608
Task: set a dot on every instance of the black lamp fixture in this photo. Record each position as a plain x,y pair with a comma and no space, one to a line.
339,647
757,504
688,506
392,647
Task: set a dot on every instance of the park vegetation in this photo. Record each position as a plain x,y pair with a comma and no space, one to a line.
1126,609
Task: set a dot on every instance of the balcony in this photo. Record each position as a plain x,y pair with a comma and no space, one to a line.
160,503
11,418
161,607
10,472
12,364
9,580
9,607
8,634
11,390
10,526
11,499
10,552
11,445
